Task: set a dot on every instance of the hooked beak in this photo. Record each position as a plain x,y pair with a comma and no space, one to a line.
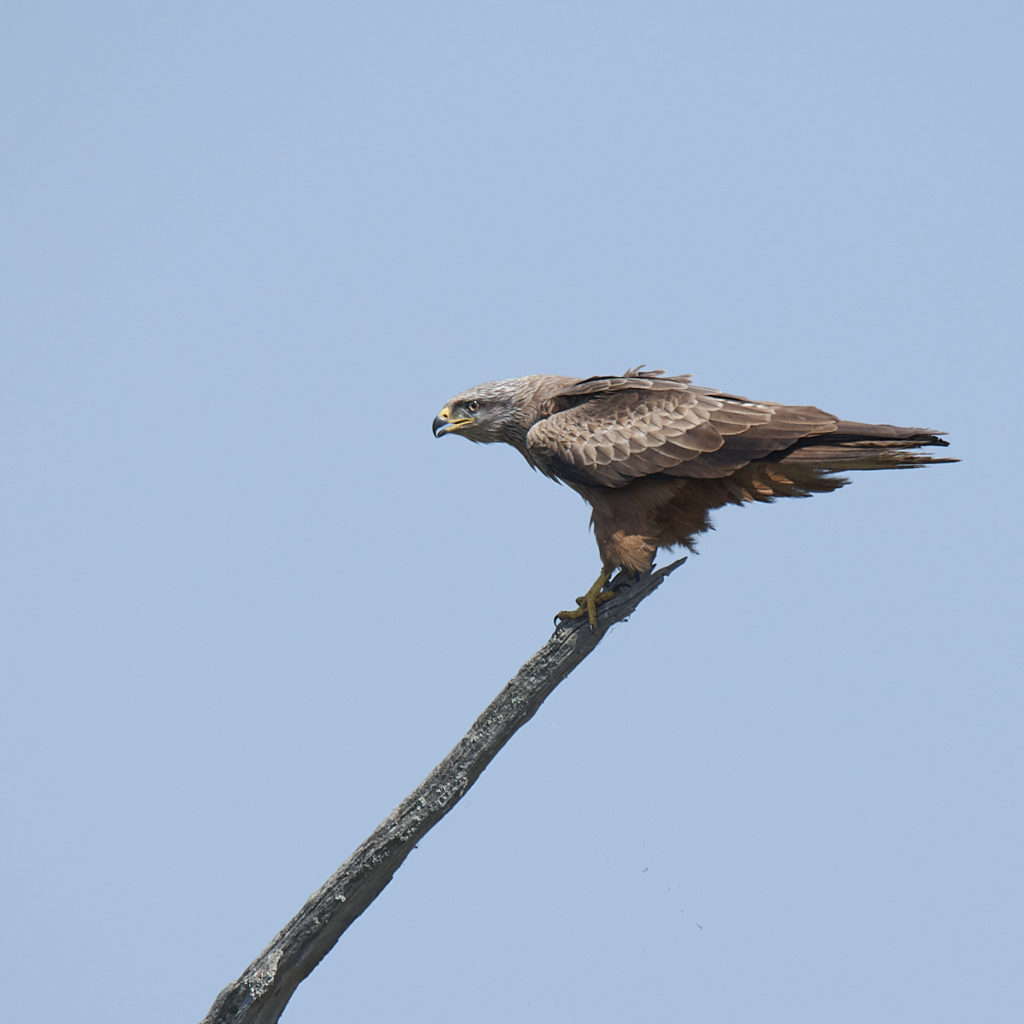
444,424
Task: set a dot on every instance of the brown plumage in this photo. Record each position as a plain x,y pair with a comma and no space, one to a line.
653,455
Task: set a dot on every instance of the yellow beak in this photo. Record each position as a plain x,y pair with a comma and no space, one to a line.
444,424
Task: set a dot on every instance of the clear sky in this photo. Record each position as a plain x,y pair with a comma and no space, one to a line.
249,250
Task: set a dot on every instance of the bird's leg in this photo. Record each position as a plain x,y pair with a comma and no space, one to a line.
590,600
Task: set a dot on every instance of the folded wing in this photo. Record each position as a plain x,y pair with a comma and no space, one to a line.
609,431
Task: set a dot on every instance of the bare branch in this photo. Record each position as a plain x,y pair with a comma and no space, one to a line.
260,995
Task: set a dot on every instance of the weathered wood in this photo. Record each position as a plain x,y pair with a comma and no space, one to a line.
260,995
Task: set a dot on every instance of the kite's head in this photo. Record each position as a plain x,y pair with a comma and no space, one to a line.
457,417
488,412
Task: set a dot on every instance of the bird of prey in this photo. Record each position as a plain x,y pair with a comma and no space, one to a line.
653,455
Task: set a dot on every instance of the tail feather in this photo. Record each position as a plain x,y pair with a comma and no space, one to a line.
887,432
866,446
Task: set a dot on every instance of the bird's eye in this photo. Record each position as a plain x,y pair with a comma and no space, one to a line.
473,405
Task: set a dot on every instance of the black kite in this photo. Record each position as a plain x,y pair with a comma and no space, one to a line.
653,455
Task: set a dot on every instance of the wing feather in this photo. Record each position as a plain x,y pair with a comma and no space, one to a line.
608,431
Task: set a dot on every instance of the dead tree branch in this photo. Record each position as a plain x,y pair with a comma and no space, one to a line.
259,996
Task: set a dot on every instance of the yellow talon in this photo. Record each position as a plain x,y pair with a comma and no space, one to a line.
590,600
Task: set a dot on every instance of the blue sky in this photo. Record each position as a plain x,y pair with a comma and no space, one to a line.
248,251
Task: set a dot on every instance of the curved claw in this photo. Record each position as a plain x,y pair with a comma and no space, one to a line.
589,601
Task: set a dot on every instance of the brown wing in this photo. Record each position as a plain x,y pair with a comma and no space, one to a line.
608,431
